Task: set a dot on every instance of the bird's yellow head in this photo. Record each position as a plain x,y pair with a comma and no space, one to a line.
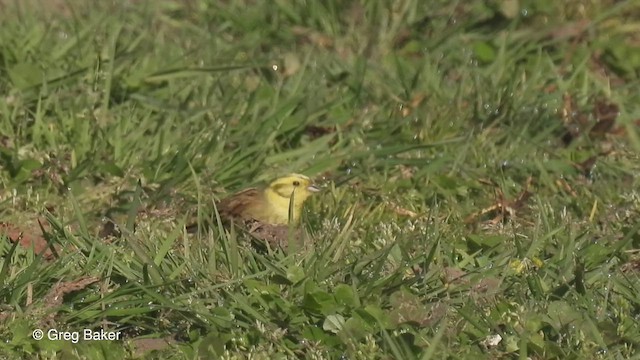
282,190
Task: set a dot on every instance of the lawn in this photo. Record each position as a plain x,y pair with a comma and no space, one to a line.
478,159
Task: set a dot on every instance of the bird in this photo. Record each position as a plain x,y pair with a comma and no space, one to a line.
279,203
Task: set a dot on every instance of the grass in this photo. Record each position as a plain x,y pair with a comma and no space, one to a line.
471,208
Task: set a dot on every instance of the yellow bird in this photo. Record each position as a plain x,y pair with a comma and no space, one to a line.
269,205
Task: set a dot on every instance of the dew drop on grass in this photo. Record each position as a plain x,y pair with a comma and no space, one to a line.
602,352
545,157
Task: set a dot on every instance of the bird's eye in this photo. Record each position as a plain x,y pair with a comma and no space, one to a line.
296,183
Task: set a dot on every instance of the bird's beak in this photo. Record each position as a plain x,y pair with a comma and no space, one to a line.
313,188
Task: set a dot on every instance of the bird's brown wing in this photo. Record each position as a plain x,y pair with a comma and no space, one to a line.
236,205
233,207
